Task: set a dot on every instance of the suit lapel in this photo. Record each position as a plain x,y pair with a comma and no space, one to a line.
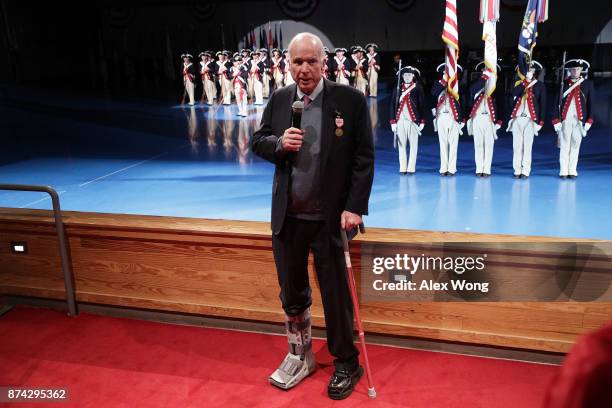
286,108
327,116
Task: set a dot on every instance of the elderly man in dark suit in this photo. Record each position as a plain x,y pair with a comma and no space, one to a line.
322,183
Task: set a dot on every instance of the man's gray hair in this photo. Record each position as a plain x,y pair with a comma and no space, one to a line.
307,36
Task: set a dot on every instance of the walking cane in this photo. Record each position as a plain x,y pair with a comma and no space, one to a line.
351,281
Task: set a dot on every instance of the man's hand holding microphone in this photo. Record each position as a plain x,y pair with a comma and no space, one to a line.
292,139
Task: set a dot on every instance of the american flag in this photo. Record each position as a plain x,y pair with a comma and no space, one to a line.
450,36
489,15
536,12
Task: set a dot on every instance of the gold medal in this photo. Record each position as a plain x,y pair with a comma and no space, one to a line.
339,132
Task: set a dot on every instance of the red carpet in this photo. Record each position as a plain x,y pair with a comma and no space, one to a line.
112,362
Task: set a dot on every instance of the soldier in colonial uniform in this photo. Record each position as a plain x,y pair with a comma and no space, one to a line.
228,79
277,68
573,116
239,75
373,68
249,64
188,73
340,67
258,69
207,73
223,78
326,63
448,122
407,117
287,78
265,75
360,71
527,118
352,62
482,123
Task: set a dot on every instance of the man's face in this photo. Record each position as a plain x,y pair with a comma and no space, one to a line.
371,50
306,66
407,77
186,60
530,74
575,72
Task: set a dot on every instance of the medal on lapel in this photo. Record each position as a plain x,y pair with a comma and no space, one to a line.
339,124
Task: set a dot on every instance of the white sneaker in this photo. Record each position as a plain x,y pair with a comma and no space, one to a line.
293,370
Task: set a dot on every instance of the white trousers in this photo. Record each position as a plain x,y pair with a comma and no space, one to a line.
189,88
278,79
361,84
266,85
226,88
484,137
342,80
288,79
258,91
241,99
448,136
250,91
570,139
523,131
407,131
209,91
373,76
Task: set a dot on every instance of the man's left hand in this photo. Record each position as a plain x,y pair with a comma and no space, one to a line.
349,220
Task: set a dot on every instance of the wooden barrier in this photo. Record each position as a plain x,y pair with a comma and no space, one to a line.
225,268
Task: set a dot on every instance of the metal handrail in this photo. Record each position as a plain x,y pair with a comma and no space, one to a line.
61,236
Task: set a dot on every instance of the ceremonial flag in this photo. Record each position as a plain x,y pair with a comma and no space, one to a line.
269,35
450,36
536,12
489,15
262,38
280,36
275,43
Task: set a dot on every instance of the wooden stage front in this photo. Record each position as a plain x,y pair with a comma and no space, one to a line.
224,268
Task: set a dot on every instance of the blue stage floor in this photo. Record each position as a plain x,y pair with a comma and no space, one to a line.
140,157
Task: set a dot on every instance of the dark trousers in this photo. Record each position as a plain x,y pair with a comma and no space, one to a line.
291,248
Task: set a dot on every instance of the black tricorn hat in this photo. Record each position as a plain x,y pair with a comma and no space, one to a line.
409,69
575,63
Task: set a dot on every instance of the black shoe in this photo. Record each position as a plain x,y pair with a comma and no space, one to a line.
449,174
563,177
411,173
403,172
572,177
343,381
524,176
517,176
478,174
486,175
443,174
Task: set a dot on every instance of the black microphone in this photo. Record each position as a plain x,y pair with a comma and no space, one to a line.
296,114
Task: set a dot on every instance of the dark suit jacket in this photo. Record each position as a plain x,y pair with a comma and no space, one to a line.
347,161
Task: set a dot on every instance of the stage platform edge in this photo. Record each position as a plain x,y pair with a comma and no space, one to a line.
225,269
